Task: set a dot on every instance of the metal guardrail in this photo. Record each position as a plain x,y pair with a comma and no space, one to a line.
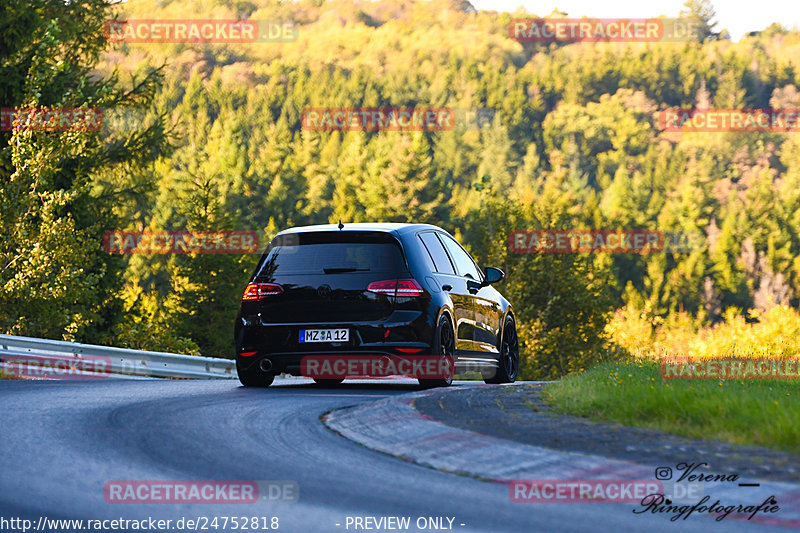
28,356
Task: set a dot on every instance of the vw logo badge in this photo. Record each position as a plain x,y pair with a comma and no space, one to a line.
324,291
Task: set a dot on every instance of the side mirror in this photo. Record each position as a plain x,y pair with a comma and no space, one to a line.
493,275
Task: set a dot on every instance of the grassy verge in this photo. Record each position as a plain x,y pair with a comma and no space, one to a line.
761,413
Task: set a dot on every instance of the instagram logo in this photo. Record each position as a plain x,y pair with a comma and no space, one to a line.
663,473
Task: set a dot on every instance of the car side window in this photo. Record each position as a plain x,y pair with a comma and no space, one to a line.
441,262
464,264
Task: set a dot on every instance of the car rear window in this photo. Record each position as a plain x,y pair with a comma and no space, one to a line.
332,252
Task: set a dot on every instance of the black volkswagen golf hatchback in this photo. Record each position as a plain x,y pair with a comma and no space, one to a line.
379,290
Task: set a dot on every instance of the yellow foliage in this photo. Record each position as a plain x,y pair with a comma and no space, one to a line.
773,335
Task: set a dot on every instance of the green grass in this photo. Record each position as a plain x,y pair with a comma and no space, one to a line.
761,413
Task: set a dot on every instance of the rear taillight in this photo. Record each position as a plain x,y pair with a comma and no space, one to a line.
259,291
396,287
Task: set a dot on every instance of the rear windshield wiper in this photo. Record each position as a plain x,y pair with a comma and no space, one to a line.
340,270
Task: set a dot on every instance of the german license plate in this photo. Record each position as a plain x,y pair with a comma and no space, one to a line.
325,335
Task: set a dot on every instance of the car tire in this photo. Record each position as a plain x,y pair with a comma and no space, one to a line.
328,382
445,345
255,377
508,360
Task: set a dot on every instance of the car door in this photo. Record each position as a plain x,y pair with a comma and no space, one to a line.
469,272
484,301
450,282
488,320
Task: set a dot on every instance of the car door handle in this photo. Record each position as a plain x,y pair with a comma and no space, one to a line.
447,287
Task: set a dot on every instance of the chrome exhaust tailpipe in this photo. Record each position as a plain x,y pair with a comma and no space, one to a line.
265,365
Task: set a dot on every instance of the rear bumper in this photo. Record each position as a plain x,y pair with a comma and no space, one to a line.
342,364
402,333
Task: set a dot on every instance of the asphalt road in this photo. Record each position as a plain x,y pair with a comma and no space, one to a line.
61,442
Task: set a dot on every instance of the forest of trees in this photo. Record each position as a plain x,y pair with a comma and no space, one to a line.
209,137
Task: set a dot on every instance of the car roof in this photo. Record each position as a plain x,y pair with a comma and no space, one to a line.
388,227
